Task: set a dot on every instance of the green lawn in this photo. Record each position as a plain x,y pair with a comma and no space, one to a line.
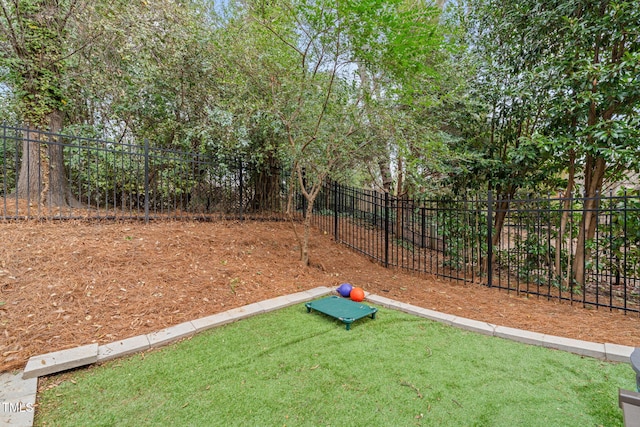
293,368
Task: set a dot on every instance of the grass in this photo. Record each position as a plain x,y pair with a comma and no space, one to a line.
297,369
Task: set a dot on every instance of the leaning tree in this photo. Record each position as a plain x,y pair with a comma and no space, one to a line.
312,62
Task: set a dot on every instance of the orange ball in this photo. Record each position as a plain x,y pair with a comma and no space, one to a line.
357,294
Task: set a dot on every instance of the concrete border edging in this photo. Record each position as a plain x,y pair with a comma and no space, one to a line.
607,351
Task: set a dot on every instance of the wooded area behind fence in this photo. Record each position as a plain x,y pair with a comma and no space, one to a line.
47,176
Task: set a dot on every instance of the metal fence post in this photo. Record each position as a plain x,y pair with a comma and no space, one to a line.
335,211
240,190
423,226
386,229
624,255
304,199
146,181
490,239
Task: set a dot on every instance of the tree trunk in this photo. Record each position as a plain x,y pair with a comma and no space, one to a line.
267,185
29,183
58,193
502,208
42,176
307,233
310,197
594,176
500,216
594,170
566,205
385,172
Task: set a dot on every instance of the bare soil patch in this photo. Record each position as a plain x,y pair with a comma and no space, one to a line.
65,284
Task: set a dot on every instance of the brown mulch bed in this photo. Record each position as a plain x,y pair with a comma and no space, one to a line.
65,284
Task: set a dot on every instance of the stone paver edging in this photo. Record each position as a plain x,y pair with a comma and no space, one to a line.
606,351
18,391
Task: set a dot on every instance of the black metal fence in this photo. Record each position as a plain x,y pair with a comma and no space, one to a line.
46,175
535,249
534,252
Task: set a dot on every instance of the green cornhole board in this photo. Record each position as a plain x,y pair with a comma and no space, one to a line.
345,310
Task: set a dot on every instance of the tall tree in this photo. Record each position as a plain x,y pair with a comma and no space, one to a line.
581,60
601,65
309,94
511,99
323,49
33,41
121,68
397,51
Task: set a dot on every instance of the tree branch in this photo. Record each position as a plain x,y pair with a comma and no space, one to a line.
9,31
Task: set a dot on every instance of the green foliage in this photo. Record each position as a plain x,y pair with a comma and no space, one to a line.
394,38
463,229
621,246
136,71
33,39
558,79
531,256
8,166
323,65
105,176
500,123
111,175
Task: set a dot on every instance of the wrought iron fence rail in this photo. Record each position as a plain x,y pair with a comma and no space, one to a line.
124,180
